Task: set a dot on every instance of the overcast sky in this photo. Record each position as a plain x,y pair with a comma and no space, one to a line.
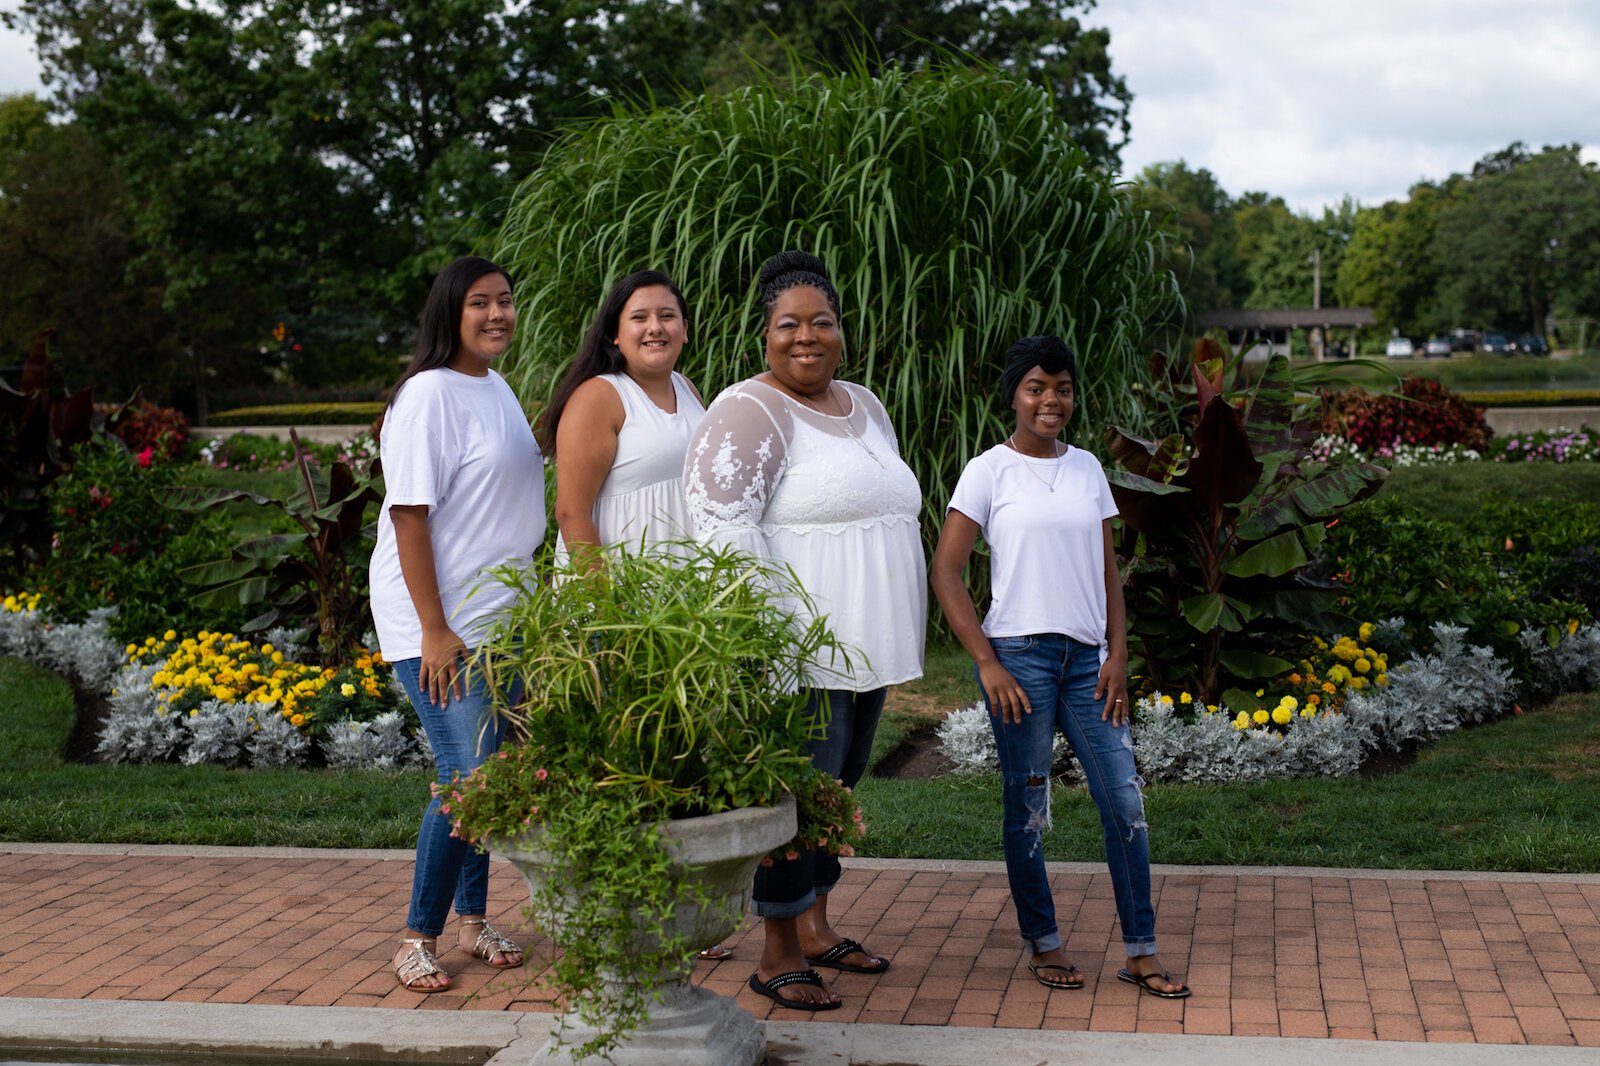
1311,99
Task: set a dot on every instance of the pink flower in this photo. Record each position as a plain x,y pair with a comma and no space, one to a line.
145,456
541,773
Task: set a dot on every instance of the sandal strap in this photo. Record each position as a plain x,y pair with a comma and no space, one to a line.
491,941
839,951
796,977
417,963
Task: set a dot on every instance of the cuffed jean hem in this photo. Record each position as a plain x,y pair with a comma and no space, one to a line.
787,908
1136,949
1040,945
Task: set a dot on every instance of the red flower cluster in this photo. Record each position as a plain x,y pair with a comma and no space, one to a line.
1425,413
152,433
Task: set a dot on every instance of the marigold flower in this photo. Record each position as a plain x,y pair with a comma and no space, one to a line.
1329,687
1289,702
1362,665
1366,631
1242,722
1261,717
297,720
347,689
1281,714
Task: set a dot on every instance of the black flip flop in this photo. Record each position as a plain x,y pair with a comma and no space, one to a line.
845,947
1068,970
1144,983
802,977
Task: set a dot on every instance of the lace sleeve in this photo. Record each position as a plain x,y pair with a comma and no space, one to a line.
734,464
875,413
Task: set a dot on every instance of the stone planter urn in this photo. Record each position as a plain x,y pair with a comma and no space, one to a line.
689,1026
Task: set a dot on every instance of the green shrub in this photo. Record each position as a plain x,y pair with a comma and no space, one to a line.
1394,561
299,414
1534,398
952,209
116,544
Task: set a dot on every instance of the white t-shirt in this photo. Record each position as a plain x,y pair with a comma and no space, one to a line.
1047,562
460,446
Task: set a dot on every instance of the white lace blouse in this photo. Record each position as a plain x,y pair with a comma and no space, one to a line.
830,497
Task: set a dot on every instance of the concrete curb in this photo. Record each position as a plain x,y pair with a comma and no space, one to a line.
374,1035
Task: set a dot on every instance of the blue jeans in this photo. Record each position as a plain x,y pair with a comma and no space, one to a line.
462,736
1059,675
790,887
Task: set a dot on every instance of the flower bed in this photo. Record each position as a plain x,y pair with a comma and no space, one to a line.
1533,446
216,698
1417,701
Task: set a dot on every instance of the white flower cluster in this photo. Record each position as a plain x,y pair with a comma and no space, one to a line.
1427,696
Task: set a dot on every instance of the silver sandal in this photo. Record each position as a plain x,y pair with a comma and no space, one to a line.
418,963
492,942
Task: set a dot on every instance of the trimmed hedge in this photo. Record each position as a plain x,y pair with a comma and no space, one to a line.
1534,398
300,414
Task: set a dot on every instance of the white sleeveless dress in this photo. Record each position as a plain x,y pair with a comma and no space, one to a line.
641,500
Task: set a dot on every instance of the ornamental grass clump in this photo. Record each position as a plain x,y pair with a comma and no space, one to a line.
658,686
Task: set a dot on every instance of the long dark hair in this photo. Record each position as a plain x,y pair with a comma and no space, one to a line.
598,354
439,333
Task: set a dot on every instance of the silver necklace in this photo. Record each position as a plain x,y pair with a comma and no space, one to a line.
1051,484
845,419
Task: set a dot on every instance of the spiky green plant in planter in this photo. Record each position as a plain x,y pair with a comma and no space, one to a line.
1220,520
661,686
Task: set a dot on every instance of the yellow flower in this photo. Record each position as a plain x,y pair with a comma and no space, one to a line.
1365,632
1242,722
1289,703
1185,699
1358,683
1167,700
1261,717
1309,712
1282,715
347,689
297,720
1362,665
266,649
170,634
277,658
1572,626
1383,679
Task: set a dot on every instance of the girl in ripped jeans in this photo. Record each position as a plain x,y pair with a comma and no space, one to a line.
1052,653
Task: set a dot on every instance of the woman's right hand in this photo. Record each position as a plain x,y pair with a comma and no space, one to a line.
442,666
1006,697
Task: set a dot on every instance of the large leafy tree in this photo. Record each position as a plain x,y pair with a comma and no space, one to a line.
67,259
1200,216
1520,239
1390,264
1042,41
1281,269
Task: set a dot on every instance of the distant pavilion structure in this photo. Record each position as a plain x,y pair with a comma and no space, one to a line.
1276,325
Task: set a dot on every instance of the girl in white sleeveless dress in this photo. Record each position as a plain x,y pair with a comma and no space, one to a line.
620,421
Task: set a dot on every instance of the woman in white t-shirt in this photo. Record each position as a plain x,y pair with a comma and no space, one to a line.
464,492
799,468
618,425
1052,653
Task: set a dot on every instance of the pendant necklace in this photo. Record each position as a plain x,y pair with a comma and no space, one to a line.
848,431
1051,484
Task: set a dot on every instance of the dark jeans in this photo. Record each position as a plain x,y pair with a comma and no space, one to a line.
1059,675
789,887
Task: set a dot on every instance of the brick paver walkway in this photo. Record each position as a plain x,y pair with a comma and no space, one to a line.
1397,957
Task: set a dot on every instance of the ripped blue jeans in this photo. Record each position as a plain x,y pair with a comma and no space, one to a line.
1059,675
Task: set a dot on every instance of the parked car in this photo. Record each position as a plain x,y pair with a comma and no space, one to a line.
1464,340
1399,348
1530,344
1437,346
1496,343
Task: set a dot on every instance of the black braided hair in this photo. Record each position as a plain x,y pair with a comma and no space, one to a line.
1048,351
785,271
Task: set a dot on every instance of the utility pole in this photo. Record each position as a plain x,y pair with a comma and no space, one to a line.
1317,339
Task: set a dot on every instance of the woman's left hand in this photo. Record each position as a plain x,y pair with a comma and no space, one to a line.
1112,686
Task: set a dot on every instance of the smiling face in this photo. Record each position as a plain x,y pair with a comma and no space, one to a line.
804,343
650,331
487,321
1043,403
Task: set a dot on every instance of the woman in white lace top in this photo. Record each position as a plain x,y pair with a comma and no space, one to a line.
619,423
798,468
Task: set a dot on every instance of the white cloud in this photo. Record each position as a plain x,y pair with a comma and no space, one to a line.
1313,101
19,68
